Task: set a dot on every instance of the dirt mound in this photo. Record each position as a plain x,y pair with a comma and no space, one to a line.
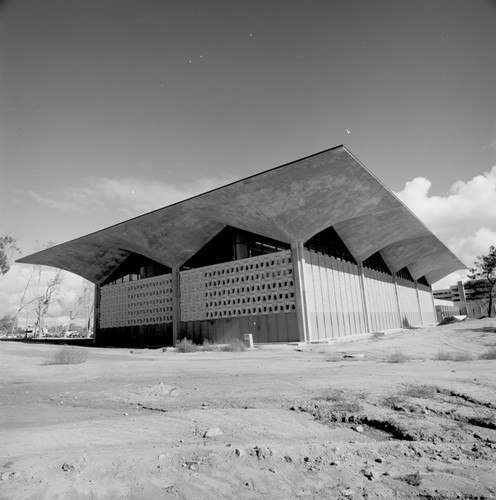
448,320
155,393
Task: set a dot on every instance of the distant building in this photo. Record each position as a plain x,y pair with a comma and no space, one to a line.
455,293
309,251
463,296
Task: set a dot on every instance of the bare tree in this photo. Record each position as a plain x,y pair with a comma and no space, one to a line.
81,306
40,289
44,300
23,303
87,303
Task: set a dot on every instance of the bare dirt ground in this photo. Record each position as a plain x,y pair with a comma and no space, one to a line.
276,422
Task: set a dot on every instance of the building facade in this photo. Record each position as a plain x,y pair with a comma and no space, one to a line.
310,251
469,297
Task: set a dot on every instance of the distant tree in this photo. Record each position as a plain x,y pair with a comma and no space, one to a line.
81,306
8,247
23,303
484,271
6,325
477,291
40,291
44,299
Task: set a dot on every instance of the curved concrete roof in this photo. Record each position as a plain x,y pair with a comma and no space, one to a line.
289,203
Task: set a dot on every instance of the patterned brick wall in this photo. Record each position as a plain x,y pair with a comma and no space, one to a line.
255,286
143,302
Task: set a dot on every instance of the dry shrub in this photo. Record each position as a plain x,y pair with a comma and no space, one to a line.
398,357
332,396
489,354
340,401
236,345
187,346
378,335
334,358
453,356
420,391
208,346
67,356
394,401
412,479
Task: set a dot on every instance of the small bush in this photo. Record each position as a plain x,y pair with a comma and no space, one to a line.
489,354
453,356
67,356
235,346
352,406
412,479
340,401
334,358
332,396
420,391
394,401
398,357
377,335
187,346
207,346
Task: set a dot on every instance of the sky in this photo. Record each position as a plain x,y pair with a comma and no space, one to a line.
112,108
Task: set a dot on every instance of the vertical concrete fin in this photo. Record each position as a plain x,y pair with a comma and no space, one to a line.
96,313
176,304
364,296
298,261
419,304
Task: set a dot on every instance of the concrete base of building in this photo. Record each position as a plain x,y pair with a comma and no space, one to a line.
135,336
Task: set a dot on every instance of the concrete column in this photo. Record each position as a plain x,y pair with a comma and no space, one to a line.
298,261
418,302
176,304
395,278
433,304
96,312
364,296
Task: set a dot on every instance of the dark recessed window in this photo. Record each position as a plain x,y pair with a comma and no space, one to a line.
328,242
134,268
376,262
404,273
422,281
233,244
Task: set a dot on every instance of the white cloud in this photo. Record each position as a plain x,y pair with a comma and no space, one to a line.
464,219
130,196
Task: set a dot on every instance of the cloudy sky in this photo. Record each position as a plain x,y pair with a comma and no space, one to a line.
112,108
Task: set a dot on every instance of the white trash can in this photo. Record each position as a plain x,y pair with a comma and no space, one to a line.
249,340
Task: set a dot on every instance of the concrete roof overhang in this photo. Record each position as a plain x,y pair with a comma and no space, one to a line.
290,203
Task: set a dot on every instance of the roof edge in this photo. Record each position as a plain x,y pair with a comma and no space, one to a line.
244,179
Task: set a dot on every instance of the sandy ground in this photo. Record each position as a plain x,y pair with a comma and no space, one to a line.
281,422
